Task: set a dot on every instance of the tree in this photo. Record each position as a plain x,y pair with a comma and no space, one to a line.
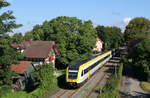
75,38
140,54
17,38
7,20
137,28
28,35
7,54
112,36
38,33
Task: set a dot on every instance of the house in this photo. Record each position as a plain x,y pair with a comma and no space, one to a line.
23,79
99,45
38,52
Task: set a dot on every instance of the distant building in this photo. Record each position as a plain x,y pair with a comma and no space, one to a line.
24,78
99,45
38,52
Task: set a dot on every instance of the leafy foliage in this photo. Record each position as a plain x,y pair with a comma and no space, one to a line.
112,36
75,38
7,20
140,55
7,54
47,81
17,38
137,28
28,36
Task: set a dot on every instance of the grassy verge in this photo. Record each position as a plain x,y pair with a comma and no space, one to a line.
111,90
145,86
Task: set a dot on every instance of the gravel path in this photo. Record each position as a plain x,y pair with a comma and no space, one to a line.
131,89
131,86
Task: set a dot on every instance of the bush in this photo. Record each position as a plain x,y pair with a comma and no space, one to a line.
48,82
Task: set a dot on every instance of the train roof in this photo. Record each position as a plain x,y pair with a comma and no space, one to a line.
77,63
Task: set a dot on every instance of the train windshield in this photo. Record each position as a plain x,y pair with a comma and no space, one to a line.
75,64
72,75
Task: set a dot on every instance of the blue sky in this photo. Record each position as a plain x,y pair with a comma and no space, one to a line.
101,12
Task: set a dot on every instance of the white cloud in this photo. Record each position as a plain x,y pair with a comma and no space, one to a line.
127,20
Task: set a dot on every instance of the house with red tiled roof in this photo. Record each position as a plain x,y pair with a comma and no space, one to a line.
38,52
24,78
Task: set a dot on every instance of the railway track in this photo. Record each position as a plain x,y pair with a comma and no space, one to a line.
72,93
76,93
67,93
97,85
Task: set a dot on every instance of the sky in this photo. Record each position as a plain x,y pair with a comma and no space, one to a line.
100,12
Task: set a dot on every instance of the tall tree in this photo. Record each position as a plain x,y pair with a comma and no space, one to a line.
140,54
76,38
112,36
137,28
7,54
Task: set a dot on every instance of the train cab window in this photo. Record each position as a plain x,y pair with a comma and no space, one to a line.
86,70
82,73
72,75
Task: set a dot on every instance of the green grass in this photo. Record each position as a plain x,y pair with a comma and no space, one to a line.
20,94
145,86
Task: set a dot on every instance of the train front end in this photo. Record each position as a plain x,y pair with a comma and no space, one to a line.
72,77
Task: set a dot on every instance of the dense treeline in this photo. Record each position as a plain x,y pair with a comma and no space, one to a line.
140,55
137,36
112,36
137,28
76,38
